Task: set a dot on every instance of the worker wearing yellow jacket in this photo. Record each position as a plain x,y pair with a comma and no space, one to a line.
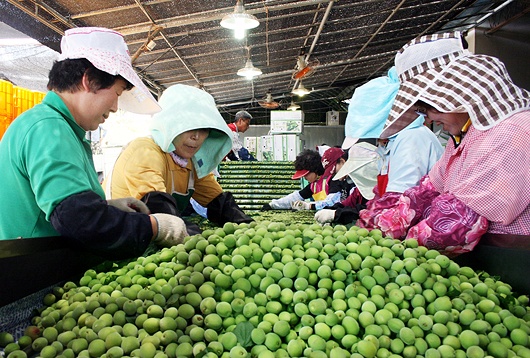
165,170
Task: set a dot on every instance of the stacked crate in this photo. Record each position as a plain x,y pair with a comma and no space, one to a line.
254,184
13,101
6,105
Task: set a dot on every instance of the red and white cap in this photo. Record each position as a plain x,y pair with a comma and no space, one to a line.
107,51
300,174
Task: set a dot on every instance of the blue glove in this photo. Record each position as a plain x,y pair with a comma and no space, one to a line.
244,154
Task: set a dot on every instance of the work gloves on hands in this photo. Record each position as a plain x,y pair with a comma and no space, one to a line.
171,230
129,205
325,216
286,201
300,205
266,207
224,209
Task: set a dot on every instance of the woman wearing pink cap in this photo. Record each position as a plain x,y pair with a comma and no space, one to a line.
318,171
50,186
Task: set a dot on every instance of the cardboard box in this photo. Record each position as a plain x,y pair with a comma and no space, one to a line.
266,148
286,147
286,122
294,144
332,118
251,143
280,152
278,147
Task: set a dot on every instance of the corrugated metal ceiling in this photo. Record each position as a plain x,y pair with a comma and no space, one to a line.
352,41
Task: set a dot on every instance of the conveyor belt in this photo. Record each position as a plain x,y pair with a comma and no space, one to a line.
254,184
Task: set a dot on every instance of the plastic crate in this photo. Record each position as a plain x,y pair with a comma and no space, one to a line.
6,105
13,101
22,100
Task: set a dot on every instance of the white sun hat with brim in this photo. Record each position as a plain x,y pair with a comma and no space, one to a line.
321,149
107,51
439,71
362,167
186,108
369,108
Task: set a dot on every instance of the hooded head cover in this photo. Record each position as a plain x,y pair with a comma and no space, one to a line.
107,51
329,159
186,108
369,108
362,167
437,70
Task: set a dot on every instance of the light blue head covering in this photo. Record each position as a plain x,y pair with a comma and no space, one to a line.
369,108
187,108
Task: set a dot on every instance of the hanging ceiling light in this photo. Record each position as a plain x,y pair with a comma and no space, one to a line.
301,90
239,21
293,106
249,71
150,45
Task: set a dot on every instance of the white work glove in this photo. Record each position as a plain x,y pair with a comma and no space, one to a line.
285,202
171,230
300,205
130,205
325,216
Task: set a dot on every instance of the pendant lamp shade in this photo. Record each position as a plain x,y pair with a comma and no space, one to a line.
239,19
293,106
301,90
249,71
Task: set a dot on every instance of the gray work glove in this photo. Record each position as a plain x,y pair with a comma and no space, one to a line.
171,230
325,216
130,205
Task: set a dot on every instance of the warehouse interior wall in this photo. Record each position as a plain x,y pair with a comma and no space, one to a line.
510,44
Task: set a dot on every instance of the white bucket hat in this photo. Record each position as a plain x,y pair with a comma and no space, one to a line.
107,51
362,167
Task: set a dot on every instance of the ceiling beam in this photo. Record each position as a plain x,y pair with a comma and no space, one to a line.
34,13
507,21
425,31
379,29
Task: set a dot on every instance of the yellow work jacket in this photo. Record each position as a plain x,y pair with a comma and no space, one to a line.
143,167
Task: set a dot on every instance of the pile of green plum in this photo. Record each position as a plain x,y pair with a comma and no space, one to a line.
270,289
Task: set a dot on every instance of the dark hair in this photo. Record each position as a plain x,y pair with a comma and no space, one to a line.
244,115
343,156
422,104
66,75
464,41
309,160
